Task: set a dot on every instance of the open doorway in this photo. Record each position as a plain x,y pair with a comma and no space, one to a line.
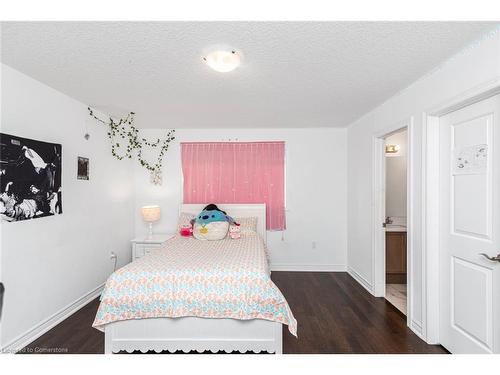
393,221
395,224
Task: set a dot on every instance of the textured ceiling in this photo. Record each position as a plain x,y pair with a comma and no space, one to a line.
294,74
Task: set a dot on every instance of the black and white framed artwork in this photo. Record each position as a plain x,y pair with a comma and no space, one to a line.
83,168
30,178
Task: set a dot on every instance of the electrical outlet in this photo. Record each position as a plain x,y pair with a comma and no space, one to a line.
113,257
313,244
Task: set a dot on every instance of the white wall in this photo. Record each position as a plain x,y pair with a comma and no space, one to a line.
477,65
395,176
48,263
316,183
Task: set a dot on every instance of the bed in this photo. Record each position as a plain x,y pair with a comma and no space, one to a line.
198,295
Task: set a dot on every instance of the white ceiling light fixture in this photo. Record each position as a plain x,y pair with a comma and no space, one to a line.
223,61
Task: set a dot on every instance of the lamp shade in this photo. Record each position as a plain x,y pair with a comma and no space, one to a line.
151,213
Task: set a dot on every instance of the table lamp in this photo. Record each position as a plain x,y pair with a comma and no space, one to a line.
150,214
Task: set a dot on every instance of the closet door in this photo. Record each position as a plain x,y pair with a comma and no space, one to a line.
470,227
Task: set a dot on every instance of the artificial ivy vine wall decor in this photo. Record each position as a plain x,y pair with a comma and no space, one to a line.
124,129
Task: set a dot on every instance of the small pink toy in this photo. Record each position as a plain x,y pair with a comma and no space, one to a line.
235,231
186,230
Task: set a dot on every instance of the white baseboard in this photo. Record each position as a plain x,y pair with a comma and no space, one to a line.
308,267
49,323
416,327
360,279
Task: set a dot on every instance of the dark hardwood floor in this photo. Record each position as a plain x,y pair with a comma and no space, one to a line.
334,313
337,315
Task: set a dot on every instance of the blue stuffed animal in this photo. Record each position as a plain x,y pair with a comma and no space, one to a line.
212,213
211,224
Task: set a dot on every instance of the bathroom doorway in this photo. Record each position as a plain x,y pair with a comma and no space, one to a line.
395,224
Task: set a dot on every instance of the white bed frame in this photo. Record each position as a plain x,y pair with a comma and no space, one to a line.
199,334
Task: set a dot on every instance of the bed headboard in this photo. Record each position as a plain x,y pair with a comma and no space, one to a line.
257,210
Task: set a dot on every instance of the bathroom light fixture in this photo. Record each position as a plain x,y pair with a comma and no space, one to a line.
391,149
223,61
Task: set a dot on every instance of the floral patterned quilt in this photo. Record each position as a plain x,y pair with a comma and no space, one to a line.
188,277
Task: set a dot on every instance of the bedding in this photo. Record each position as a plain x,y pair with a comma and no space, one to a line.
247,224
188,277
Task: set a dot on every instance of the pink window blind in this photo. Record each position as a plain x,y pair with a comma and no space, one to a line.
237,172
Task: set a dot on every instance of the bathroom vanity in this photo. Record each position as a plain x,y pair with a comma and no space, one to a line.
395,253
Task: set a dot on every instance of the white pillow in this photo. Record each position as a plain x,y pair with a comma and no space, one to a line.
247,224
213,231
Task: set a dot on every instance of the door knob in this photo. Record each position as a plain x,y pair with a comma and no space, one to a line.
493,259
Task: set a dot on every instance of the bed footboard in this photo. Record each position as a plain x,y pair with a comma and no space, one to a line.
192,333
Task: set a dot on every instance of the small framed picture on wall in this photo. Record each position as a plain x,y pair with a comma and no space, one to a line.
83,168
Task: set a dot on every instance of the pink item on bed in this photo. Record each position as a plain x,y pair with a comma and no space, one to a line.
186,230
235,231
237,172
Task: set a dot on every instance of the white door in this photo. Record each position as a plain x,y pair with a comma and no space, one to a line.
470,225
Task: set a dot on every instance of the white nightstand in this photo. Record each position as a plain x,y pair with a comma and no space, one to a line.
143,245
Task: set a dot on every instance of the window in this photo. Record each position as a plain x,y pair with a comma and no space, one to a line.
237,172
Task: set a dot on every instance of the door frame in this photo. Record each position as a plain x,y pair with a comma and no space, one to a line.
378,198
431,199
